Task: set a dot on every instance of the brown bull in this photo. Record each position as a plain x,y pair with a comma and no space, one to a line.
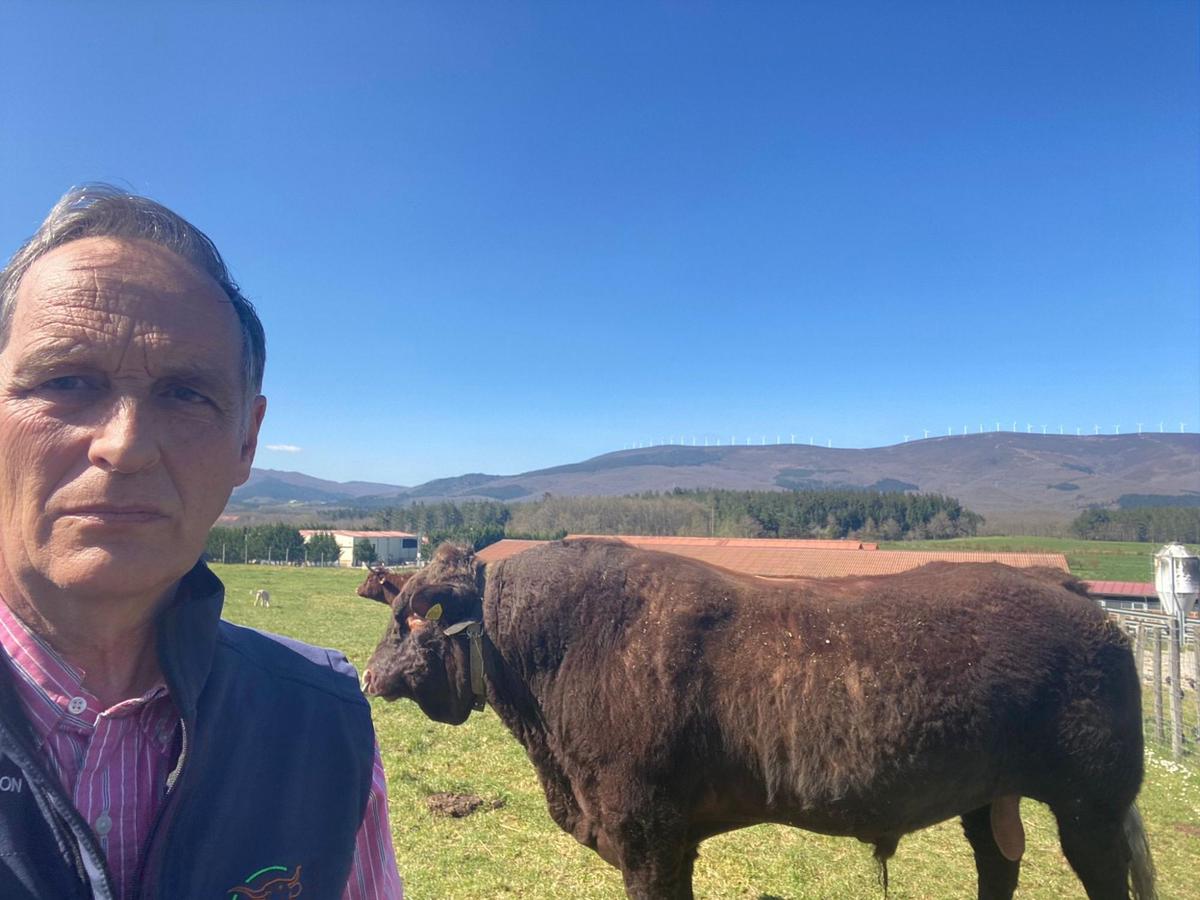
663,701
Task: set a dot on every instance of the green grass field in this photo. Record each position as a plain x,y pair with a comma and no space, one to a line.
515,850
1090,560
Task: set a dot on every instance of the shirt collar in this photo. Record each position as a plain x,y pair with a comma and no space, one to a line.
51,688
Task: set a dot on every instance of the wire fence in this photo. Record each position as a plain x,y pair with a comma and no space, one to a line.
1168,659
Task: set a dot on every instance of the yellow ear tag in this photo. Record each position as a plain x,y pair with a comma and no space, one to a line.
435,612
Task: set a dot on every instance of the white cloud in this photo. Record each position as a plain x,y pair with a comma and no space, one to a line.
284,448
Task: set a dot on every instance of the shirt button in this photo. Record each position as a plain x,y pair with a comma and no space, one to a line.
103,824
76,706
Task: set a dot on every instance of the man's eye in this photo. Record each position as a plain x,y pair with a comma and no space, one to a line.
67,383
186,395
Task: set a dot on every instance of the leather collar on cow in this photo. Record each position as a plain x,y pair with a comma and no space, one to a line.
474,631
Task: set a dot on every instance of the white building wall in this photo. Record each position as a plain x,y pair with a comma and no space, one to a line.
345,549
389,550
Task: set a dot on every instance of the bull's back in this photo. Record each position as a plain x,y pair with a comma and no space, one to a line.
875,686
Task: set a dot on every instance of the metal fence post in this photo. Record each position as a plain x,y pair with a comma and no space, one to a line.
1160,733
1175,636
1196,675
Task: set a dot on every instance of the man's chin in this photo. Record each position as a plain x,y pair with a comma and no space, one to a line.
115,569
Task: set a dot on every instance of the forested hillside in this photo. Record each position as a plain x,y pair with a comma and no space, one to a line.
1143,523
781,514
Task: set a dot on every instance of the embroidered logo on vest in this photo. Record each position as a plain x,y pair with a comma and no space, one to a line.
271,886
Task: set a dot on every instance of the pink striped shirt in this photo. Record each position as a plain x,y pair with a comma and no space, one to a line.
114,763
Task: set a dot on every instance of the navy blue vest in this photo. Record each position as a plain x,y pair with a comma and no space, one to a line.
273,775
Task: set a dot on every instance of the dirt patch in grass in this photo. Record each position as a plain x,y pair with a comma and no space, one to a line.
1192,830
458,806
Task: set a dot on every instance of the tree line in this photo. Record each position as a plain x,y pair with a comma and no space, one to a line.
1143,523
271,543
862,515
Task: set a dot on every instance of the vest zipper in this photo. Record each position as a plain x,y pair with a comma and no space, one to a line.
158,832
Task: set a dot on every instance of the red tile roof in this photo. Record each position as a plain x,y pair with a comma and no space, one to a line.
766,558
647,543
775,563
1122,588
504,549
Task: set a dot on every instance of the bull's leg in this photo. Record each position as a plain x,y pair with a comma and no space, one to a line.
684,891
1094,844
667,875
656,857
997,875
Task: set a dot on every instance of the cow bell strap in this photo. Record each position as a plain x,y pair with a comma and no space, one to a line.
474,631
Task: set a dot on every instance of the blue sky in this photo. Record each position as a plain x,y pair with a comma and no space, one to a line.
496,237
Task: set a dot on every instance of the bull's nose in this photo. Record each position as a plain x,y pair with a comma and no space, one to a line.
367,681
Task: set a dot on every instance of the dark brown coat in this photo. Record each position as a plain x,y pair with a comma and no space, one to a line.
664,701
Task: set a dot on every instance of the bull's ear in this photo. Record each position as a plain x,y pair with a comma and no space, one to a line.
444,604
426,603
430,602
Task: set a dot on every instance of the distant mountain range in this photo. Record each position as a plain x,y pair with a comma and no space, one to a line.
266,486
1005,474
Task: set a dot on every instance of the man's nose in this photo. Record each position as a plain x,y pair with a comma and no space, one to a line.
125,441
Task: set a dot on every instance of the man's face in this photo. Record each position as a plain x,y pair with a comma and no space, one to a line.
123,420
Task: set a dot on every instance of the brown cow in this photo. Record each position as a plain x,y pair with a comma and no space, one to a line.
663,701
382,585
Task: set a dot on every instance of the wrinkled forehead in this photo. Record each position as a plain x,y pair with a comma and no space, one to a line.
110,290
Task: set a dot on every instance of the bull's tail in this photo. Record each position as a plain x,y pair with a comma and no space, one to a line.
1141,866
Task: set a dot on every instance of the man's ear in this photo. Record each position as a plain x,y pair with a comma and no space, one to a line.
254,420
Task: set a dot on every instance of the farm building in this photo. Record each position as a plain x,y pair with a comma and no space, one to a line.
392,548
1127,595
776,558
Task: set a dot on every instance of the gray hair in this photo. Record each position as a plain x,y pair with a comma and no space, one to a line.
101,210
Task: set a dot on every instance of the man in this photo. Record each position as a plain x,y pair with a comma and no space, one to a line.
148,749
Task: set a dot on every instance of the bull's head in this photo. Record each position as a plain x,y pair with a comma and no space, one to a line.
422,655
